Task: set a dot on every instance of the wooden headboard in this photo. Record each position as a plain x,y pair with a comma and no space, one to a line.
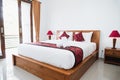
95,36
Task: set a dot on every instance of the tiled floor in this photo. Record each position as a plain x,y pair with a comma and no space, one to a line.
98,71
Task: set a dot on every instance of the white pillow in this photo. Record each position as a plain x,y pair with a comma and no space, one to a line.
62,41
87,36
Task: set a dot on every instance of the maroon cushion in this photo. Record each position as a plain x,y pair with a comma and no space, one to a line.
64,34
78,37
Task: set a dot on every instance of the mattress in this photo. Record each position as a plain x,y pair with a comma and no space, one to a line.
57,57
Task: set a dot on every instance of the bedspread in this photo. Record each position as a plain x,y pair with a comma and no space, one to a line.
77,51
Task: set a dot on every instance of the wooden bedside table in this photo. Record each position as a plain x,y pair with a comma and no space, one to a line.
112,56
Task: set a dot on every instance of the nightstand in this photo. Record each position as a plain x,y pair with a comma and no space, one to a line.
112,56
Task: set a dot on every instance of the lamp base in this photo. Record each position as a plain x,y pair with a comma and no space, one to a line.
49,37
114,43
113,48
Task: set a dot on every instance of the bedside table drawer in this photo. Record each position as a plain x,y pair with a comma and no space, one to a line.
112,56
113,53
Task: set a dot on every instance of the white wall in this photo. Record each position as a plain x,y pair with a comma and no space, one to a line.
44,26
103,15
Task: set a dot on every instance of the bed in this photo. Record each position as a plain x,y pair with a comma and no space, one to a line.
49,72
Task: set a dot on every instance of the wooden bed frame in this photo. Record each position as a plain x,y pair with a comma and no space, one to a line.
49,72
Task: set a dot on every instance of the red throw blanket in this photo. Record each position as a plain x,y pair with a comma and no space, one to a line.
78,52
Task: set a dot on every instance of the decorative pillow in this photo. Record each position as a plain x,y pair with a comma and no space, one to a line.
64,34
87,36
70,36
78,37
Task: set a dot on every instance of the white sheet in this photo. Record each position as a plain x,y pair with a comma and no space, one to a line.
56,57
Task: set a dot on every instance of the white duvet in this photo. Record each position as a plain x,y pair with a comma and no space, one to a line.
57,57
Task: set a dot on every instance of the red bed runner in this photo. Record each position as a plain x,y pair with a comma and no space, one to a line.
78,52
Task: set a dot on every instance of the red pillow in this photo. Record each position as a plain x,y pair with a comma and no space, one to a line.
78,37
64,34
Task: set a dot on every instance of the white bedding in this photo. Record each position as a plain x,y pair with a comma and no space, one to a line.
57,57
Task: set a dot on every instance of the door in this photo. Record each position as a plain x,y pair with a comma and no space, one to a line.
2,39
25,21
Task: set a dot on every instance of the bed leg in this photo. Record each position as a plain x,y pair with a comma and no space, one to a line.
14,59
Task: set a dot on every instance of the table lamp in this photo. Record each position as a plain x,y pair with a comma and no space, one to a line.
114,34
49,33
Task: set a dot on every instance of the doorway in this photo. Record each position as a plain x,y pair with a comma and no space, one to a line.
11,28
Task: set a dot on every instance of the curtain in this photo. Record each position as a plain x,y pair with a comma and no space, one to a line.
36,15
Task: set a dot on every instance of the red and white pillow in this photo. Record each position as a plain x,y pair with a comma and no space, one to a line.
78,37
64,34
83,36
